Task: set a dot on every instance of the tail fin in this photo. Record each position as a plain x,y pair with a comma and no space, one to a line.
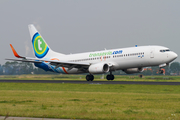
41,48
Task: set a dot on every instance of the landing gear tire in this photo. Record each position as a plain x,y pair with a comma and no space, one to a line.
89,77
161,71
110,77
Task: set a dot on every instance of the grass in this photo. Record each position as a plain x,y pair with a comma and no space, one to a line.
90,101
96,77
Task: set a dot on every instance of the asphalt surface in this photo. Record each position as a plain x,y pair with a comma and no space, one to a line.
91,82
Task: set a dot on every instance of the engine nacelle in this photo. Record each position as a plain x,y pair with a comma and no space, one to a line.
133,70
99,68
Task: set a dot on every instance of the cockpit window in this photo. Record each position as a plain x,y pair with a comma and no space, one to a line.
164,50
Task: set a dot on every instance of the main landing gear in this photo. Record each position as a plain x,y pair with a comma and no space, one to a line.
89,77
110,76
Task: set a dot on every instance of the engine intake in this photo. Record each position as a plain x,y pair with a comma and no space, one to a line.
133,70
99,68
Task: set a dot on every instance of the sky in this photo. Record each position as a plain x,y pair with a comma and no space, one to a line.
74,26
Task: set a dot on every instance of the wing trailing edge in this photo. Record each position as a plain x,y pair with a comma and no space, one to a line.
56,63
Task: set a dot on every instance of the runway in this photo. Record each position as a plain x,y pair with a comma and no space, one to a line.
90,82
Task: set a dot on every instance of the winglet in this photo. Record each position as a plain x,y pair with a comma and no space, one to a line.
15,53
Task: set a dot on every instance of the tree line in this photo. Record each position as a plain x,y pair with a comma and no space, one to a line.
19,68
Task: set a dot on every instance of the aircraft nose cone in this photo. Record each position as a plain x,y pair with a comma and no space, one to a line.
173,55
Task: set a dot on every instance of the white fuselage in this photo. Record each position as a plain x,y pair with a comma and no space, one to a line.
119,59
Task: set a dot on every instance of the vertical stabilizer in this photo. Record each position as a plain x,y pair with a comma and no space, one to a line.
41,48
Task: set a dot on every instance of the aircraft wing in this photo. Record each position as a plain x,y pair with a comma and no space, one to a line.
56,63
53,62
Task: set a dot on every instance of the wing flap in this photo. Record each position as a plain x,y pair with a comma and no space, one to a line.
55,63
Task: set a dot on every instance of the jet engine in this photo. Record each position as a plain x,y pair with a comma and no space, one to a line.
99,68
133,70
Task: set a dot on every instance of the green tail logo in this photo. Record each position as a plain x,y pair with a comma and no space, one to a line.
40,47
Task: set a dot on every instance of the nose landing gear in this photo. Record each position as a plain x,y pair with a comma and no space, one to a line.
161,71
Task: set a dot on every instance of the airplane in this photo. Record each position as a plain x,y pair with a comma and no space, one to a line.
130,60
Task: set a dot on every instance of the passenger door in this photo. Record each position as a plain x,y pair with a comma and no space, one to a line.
152,53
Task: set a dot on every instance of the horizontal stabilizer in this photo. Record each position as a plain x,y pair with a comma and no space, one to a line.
25,60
